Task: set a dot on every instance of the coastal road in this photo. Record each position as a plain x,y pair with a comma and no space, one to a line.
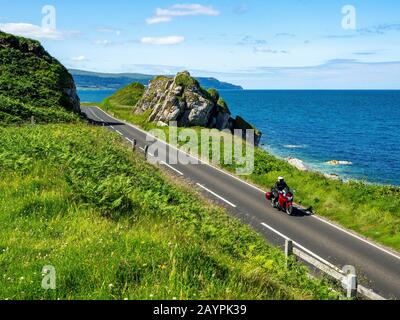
378,268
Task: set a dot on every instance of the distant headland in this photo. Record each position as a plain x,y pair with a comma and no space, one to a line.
87,80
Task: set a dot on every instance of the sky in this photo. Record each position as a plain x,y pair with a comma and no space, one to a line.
259,44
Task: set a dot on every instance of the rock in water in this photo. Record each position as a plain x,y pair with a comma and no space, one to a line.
183,100
29,75
339,163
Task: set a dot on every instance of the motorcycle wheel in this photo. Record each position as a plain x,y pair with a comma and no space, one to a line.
289,210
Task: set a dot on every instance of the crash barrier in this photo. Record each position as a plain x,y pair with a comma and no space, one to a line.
346,276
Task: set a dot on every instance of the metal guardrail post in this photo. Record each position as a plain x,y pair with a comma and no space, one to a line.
134,143
288,251
350,283
288,248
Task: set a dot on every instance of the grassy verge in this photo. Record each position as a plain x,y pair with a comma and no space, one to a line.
370,210
114,227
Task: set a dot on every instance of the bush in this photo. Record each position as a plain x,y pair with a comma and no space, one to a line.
13,111
31,78
214,95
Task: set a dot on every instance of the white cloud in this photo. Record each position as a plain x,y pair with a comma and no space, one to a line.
181,10
155,20
104,43
79,59
162,40
263,49
109,30
34,31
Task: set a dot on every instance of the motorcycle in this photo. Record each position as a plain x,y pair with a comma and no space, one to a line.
284,203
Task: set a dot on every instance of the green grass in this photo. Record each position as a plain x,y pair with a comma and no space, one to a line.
32,83
129,95
114,227
15,112
371,210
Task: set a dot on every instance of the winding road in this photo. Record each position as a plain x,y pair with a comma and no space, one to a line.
378,268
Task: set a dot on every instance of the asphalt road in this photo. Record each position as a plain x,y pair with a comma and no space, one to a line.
377,267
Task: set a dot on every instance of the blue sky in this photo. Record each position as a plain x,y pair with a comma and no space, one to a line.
287,44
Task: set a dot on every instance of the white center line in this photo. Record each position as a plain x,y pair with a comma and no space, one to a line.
172,168
218,196
366,241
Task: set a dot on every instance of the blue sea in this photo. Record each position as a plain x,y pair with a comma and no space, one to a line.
361,127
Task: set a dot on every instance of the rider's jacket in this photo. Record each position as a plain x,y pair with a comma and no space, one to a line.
281,185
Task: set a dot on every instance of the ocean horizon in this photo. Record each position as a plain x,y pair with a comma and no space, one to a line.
361,127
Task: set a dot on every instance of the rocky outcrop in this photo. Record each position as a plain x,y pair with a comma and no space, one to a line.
31,75
183,100
297,163
332,176
339,163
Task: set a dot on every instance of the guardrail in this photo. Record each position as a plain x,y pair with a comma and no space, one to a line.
346,276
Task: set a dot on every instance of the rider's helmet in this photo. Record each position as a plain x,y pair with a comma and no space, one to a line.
280,179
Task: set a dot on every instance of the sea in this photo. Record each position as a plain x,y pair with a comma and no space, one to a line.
357,127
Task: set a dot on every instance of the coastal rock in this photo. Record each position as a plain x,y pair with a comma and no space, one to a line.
332,177
339,163
183,100
297,163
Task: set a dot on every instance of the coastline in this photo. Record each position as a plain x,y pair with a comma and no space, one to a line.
318,167
317,161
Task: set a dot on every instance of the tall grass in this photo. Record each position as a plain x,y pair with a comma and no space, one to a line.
114,227
370,210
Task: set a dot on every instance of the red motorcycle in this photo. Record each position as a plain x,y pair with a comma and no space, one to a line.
284,202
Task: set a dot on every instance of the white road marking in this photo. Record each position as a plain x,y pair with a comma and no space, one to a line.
129,140
357,237
172,168
218,196
95,115
119,132
141,148
302,248
376,246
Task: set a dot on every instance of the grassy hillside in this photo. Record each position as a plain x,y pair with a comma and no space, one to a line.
370,210
122,103
32,83
114,227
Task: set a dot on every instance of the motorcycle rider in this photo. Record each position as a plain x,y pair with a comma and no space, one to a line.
279,187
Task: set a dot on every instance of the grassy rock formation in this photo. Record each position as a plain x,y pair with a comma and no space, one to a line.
33,83
183,100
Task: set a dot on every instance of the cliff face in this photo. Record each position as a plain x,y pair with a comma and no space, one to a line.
183,100
29,75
